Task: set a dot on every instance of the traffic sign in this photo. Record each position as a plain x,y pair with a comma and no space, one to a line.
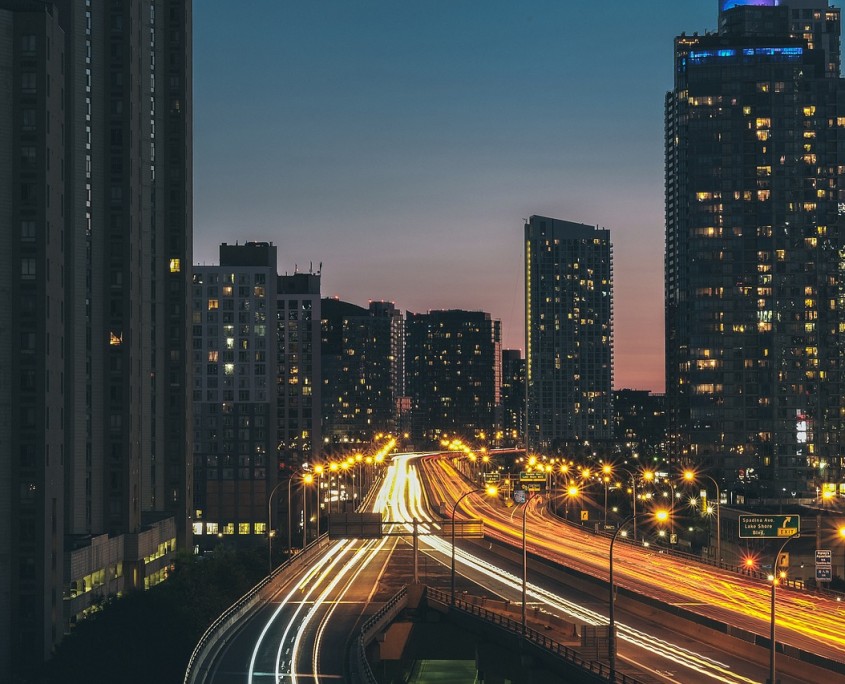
824,557
532,477
519,496
769,526
533,486
491,478
824,574
585,515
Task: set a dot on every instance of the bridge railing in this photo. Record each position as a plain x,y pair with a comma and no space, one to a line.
374,624
537,638
260,593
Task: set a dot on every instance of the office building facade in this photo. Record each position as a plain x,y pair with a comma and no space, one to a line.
754,260
96,186
568,334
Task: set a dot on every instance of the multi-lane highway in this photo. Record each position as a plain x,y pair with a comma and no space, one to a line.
807,621
305,631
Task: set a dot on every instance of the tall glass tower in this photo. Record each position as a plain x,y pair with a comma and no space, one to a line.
755,147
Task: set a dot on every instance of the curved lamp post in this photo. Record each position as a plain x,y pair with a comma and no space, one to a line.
690,476
307,479
270,525
633,492
491,491
318,471
660,516
524,560
774,580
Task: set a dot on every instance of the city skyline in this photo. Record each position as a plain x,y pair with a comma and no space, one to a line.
403,148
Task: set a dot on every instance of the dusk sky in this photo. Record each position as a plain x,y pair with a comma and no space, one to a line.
402,143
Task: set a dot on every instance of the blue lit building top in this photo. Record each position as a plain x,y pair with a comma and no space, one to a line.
782,54
730,4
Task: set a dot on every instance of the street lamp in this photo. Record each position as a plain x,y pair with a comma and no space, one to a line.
491,491
773,578
690,476
318,471
572,491
307,479
270,525
359,459
659,516
633,497
606,470
524,561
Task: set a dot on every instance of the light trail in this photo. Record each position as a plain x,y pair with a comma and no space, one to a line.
677,655
710,592
323,561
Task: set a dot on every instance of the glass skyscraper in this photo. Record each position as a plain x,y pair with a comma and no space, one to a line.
755,154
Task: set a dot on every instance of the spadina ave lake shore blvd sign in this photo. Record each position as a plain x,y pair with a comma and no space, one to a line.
769,526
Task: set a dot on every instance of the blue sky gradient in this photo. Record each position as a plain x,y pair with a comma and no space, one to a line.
402,143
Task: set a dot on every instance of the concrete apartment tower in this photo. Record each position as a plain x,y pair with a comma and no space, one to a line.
256,389
568,334
95,181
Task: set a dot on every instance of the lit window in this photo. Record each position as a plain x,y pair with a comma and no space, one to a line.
243,528
175,265
213,304
115,339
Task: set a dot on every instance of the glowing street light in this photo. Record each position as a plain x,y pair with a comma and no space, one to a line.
775,580
690,476
659,516
491,491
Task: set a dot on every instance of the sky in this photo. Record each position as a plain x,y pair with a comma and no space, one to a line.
402,144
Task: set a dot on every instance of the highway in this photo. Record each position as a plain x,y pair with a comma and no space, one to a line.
814,623
304,632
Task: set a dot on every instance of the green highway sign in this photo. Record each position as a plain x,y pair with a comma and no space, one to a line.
532,477
769,526
491,478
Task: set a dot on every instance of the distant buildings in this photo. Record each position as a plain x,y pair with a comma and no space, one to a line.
95,200
568,333
640,423
755,126
256,387
364,374
512,429
453,362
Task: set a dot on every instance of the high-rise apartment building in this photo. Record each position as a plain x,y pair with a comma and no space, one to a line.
568,333
755,128
512,430
95,182
454,373
256,388
363,370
